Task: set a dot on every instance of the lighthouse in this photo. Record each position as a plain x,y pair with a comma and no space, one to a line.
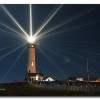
31,66
31,72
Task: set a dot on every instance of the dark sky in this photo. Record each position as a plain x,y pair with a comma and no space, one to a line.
59,53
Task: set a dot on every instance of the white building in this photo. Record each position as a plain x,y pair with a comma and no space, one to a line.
48,79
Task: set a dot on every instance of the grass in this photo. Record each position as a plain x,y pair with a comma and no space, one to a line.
24,89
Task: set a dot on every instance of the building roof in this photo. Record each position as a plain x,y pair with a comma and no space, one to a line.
44,78
91,79
98,79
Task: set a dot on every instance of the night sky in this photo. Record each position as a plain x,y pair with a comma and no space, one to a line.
61,52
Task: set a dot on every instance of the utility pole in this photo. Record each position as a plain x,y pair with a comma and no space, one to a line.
88,71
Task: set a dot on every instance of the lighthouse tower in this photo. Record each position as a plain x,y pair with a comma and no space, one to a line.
31,74
31,65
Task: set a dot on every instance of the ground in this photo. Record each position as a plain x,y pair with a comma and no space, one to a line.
25,89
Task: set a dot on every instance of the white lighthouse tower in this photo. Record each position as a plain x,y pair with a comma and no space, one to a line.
31,66
32,75
31,63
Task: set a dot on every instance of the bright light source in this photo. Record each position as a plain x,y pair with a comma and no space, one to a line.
31,39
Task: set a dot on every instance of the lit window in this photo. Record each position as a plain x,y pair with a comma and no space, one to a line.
32,63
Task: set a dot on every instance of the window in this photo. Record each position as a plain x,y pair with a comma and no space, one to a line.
32,63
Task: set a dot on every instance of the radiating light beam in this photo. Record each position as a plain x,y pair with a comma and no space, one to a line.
55,53
10,28
88,52
78,66
9,70
41,27
65,22
50,50
59,32
11,34
13,19
11,52
81,57
31,31
52,62
1,49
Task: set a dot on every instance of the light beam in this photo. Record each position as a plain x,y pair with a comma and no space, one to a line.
55,53
41,27
2,49
59,70
11,52
10,28
31,31
9,70
65,22
60,32
13,19
79,56
31,39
